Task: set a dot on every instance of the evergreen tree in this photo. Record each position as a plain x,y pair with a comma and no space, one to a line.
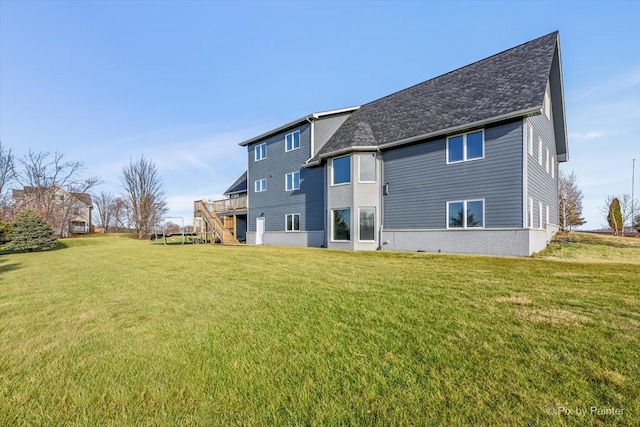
614,217
30,231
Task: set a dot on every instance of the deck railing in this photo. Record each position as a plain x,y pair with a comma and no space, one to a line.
229,205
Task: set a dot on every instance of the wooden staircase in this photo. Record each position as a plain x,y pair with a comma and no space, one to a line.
211,224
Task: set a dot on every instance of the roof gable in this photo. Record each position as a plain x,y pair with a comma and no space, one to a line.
239,186
504,84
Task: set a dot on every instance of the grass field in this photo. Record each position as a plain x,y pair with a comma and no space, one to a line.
114,331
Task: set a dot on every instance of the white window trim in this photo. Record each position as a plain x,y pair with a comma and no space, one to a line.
546,214
292,222
546,164
540,215
540,151
547,104
333,225
255,185
464,217
553,167
350,170
464,147
256,152
375,168
374,223
292,139
530,213
530,139
292,181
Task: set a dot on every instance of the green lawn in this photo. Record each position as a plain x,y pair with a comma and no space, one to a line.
114,331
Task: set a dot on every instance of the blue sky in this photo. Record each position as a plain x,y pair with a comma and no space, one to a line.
184,82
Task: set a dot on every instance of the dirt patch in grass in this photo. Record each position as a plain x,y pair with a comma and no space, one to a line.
515,300
554,317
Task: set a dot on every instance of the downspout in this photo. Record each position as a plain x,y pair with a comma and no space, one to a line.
381,195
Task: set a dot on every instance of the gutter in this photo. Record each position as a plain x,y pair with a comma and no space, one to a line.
480,123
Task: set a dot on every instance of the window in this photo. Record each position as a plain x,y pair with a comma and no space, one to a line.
367,167
546,108
465,214
261,185
468,146
547,214
530,139
261,151
546,163
341,170
292,141
540,151
530,213
292,181
540,215
367,224
292,222
553,167
341,219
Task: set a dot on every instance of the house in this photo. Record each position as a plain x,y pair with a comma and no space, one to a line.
466,162
69,213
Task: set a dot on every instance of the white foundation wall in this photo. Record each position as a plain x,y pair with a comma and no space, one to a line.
509,242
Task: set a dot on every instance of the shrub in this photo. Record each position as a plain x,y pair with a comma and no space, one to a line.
31,232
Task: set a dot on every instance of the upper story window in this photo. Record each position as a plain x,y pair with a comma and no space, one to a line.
367,163
261,151
341,168
468,146
292,141
261,185
546,107
530,139
292,181
553,167
540,151
546,163
465,214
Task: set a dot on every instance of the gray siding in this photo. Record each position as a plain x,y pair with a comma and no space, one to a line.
325,127
420,181
275,203
541,187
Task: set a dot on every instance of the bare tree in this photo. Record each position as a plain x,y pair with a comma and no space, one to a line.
7,175
144,195
120,214
104,206
51,185
570,202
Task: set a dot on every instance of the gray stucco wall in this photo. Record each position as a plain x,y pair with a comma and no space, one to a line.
421,183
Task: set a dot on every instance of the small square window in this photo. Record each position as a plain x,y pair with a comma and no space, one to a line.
261,151
292,222
261,185
292,141
341,170
292,181
465,214
469,146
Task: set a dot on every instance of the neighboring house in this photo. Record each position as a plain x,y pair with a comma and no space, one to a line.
69,213
466,162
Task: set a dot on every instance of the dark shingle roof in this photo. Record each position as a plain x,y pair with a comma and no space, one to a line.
505,83
240,186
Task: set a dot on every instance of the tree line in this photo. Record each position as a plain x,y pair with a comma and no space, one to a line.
43,179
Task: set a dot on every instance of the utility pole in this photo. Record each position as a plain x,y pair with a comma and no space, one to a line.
633,180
